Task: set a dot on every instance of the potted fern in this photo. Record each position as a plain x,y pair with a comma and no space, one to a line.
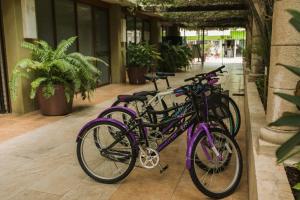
57,75
139,58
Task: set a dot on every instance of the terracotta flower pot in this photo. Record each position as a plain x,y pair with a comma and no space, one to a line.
136,75
56,105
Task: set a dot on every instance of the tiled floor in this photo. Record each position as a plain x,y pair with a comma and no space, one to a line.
14,125
39,161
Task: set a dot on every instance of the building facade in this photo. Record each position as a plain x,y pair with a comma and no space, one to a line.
103,29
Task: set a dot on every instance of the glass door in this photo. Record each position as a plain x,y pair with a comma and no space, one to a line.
4,100
102,44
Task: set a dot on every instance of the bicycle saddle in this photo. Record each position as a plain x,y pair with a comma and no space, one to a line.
165,74
130,98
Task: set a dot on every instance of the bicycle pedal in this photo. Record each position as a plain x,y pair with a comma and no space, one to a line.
163,169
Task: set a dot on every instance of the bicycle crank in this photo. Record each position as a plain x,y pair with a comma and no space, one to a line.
149,158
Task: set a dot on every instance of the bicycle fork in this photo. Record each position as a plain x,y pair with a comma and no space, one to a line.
191,138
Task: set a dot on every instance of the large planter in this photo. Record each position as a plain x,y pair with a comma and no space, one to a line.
56,105
136,75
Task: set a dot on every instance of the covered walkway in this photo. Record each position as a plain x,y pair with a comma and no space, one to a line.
41,162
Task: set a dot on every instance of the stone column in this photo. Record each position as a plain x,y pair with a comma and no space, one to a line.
256,57
117,46
285,48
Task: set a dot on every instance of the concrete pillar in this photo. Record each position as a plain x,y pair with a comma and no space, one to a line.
285,48
256,55
117,46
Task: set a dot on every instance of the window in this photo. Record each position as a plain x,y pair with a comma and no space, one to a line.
65,20
130,24
102,44
139,30
146,32
58,20
85,29
45,23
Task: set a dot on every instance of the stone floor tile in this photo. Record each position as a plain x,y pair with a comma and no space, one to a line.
40,160
60,181
34,195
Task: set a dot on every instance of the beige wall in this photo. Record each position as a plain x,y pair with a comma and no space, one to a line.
118,49
13,33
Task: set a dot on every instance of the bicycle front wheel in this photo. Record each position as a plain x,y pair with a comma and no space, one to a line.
223,175
105,157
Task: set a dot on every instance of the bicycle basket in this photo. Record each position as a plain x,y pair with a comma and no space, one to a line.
219,107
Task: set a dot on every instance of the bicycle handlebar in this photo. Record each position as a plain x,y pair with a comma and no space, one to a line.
220,69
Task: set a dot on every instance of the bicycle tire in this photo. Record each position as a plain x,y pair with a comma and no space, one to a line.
91,174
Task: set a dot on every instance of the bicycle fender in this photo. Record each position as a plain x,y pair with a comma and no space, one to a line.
91,123
119,108
201,128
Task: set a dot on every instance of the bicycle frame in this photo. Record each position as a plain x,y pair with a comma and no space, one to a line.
160,95
192,134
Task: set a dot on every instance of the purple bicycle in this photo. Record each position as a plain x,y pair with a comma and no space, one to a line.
108,149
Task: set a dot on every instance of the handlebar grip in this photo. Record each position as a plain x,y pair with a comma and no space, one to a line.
165,74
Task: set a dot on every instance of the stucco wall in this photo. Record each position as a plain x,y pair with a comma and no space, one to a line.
118,49
13,34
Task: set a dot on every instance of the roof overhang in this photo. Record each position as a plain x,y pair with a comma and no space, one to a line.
120,2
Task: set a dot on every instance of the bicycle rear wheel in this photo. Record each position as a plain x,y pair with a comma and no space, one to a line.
223,175
103,156
234,109
235,113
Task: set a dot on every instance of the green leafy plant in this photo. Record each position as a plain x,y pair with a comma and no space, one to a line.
174,57
288,150
49,67
141,55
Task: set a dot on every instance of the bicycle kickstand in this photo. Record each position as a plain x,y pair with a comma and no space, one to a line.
163,168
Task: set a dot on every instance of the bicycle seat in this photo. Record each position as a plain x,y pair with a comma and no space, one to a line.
130,98
154,77
165,74
145,93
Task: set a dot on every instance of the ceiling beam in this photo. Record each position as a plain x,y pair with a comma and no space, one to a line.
216,20
219,7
